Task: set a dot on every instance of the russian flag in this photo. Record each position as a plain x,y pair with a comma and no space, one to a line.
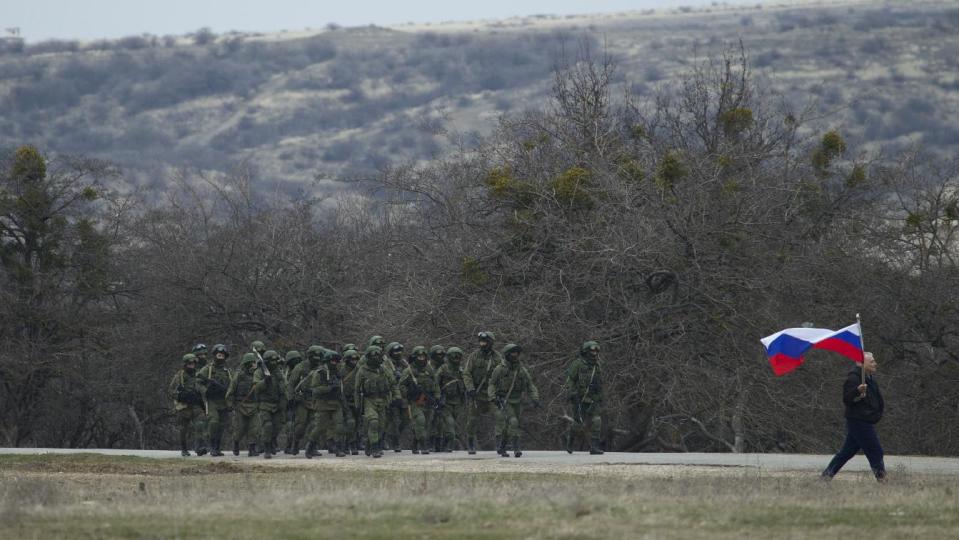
785,348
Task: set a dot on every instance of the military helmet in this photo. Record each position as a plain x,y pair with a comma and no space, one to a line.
394,346
374,355
487,335
189,357
589,346
248,358
377,340
511,348
437,351
332,356
373,350
293,356
315,351
199,348
350,347
352,353
271,355
258,346
220,348
454,353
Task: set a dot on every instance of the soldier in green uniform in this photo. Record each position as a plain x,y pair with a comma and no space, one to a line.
270,393
418,385
200,424
437,359
584,384
507,385
452,390
398,414
351,415
187,400
215,379
292,359
476,373
375,390
302,416
323,391
241,400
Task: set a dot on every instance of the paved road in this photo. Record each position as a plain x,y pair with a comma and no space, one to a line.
545,459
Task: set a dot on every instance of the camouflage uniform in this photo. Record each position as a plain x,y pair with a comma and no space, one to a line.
509,381
437,360
375,390
584,384
200,424
187,400
215,378
351,415
241,399
398,414
417,383
270,393
324,394
292,359
300,415
452,390
476,373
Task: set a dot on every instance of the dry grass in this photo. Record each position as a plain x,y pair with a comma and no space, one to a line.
111,497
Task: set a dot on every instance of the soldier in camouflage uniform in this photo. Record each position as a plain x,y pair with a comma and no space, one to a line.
418,385
240,398
291,360
452,390
508,383
302,416
437,359
200,428
323,390
270,393
397,414
584,384
375,390
351,415
187,400
215,379
476,373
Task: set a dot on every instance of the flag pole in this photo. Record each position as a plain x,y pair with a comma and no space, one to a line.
862,342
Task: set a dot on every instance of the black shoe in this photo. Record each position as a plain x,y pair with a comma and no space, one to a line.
437,445
568,443
296,449
516,451
377,451
185,453
216,450
353,450
471,445
267,455
396,444
201,451
426,448
236,448
288,451
251,452
594,447
339,450
501,447
310,450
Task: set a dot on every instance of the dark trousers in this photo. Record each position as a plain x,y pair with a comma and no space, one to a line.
860,435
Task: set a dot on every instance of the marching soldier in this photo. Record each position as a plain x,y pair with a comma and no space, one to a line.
302,415
476,374
398,415
187,401
437,359
452,391
351,415
200,424
324,394
375,390
507,385
293,359
584,384
215,379
241,399
419,387
268,387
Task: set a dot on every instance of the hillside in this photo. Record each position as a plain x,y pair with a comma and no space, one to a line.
334,102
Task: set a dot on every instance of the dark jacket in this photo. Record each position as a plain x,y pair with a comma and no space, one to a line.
868,409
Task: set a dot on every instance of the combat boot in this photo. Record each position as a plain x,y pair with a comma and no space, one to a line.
501,447
516,451
338,446
296,449
471,445
396,444
377,450
183,451
416,446
310,450
437,445
426,447
568,443
236,448
251,452
200,450
216,449
353,448
594,447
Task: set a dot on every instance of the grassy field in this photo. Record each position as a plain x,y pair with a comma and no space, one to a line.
89,496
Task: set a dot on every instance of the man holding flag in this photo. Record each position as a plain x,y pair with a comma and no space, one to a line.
864,403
